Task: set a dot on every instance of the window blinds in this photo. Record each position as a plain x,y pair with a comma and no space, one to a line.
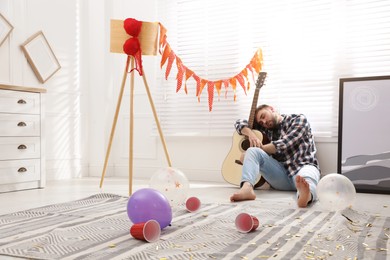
307,46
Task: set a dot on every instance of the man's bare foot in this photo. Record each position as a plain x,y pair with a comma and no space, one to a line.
245,193
304,192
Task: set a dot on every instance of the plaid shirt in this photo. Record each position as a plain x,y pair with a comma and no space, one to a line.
293,140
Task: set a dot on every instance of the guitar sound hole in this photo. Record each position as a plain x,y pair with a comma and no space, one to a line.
245,144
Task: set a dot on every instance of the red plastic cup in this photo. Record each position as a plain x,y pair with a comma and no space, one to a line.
192,204
246,223
148,231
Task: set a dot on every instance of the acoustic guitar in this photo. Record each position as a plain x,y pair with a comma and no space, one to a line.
232,165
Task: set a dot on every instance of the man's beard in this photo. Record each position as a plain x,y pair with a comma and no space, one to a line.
275,122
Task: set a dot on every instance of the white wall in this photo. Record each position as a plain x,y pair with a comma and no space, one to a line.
82,96
66,110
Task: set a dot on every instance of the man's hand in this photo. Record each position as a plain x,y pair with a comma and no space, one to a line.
254,141
252,137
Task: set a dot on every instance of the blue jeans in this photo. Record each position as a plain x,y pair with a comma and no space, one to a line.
257,162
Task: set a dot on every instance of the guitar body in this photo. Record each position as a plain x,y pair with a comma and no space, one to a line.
231,170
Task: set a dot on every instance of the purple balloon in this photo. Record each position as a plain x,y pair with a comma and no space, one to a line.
146,204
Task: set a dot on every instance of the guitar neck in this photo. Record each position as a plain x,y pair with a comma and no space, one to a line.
259,84
251,119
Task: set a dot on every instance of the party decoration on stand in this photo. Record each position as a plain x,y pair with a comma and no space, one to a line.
147,204
335,192
135,39
172,183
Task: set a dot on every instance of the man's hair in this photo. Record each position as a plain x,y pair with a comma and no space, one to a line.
261,107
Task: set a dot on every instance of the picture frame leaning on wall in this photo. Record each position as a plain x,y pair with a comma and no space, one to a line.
5,29
40,56
363,143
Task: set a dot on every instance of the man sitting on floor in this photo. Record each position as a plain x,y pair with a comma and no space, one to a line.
288,162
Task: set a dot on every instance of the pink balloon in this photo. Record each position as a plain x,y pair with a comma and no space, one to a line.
146,204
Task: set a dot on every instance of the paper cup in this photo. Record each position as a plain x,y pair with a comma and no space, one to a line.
246,223
148,231
192,204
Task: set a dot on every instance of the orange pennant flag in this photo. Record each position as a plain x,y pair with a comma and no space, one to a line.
226,84
218,85
241,80
165,55
171,59
180,73
163,37
197,80
253,64
189,73
203,82
256,61
249,67
233,82
210,90
244,73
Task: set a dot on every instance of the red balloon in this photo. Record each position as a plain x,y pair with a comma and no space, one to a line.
131,46
132,26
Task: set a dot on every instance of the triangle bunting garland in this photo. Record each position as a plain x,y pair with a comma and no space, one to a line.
184,74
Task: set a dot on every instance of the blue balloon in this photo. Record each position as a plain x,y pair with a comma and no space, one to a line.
146,204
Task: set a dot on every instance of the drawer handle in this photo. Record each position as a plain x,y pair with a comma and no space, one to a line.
22,147
22,169
22,124
22,101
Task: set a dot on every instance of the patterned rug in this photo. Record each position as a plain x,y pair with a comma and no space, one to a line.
97,227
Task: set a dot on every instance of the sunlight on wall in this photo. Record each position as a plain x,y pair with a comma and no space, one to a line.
65,117
301,47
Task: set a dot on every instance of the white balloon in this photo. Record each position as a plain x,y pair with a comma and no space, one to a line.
335,192
172,183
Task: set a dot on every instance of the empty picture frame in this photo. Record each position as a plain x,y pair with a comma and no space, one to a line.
40,56
364,127
5,29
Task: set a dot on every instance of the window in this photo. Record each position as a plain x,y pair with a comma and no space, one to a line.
307,46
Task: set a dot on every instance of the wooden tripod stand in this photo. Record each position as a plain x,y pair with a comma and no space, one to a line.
148,39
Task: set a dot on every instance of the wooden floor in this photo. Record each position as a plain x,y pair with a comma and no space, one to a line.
66,190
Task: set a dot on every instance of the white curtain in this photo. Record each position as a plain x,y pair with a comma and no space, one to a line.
307,47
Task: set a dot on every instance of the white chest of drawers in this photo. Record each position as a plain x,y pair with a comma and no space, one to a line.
22,160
